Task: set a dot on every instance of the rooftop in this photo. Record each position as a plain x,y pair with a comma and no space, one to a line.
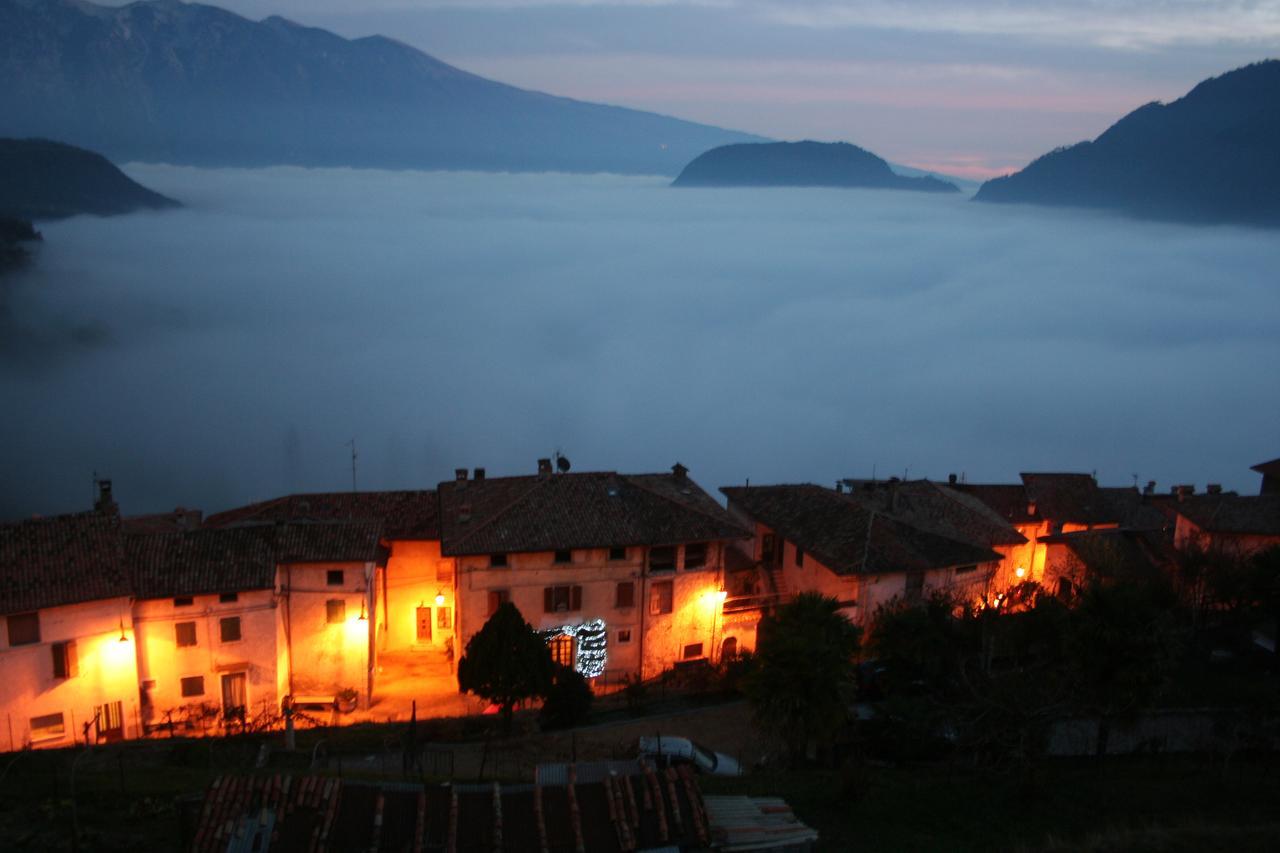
403,514
64,559
1232,513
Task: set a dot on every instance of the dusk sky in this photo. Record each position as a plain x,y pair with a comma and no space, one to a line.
974,88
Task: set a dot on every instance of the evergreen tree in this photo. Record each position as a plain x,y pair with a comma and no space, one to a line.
506,662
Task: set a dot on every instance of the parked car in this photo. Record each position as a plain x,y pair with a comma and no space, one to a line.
665,750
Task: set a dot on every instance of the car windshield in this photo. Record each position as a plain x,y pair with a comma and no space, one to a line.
703,757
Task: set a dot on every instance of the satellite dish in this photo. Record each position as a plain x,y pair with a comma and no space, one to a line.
562,463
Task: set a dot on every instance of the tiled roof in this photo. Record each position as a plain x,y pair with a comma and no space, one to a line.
1270,469
160,522
1009,501
585,510
1073,498
1114,552
939,509
846,536
654,810
66,559
1257,514
244,556
404,514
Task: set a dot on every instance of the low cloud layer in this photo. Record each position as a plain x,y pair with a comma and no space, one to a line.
227,351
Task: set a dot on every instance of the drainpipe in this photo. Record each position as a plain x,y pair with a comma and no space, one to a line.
370,601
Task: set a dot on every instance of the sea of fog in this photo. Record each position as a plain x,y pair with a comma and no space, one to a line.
228,351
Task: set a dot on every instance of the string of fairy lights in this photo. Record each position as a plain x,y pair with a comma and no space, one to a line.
591,641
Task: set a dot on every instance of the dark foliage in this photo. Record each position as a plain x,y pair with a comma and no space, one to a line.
1207,157
799,164
568,700
506,662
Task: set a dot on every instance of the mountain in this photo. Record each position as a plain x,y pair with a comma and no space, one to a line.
40,179
1210,156
188,83
799,164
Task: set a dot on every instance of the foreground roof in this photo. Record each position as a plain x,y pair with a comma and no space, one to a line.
848,537
1231,513
584,510
403,514
65,559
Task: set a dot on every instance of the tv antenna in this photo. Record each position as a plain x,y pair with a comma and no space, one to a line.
352,445
562,462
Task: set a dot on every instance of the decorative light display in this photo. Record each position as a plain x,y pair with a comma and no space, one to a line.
591,640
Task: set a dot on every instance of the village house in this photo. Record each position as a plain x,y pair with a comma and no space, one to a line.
809,538
623,573
68,668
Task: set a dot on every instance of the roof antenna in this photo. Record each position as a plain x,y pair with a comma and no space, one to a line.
352,445
95,484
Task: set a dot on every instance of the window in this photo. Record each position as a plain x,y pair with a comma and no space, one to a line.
497,598
624,635
662,559
183,601
193,685
48,727
229,629
564,555
335,577
185,632
768,548
660,598
626,595
497,561
693,650
335,611
65,663
562,651
444,617
695,555
556,599
24,629
616,554
228,597
799,556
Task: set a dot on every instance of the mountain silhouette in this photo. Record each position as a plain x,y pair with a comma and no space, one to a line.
799,164
40,179
187,83
1210,156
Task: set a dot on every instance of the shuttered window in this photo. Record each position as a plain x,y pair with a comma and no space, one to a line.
65,662
558,599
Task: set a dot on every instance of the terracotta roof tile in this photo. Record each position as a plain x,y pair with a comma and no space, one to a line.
939,509
1231,513
66,559
404,514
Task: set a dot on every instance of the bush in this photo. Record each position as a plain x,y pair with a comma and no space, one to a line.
568,701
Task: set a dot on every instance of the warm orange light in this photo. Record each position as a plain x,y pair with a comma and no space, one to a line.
1021,571
714,596
439,599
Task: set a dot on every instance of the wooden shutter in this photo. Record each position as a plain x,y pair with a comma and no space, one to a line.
575,600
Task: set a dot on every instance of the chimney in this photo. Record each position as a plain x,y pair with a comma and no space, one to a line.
1150,488
1184,491
104,503
479,474
679,471
460,475
839,487
1031,508
951,479
1213,488
544,466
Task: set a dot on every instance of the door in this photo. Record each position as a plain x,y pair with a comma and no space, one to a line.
234,698
111,721
424,624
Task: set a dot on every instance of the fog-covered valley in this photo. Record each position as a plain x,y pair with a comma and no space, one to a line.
229,350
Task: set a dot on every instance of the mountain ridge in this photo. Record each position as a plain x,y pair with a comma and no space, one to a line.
42,179
800,164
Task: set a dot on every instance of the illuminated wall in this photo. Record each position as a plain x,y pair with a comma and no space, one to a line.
104,673
328,640
417,577
187,650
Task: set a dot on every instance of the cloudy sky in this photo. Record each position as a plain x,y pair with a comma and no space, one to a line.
974,88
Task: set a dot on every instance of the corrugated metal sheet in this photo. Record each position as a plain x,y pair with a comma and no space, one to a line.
757,823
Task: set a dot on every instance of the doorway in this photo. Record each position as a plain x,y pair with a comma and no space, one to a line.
234,698
424,624
111,722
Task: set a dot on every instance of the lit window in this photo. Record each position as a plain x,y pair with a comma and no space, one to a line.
616,554
660,598
564,555
662,559
497,561
335,577
185,633
626,595
562,651
497,598
193,685
65,662
444,617
229,629
48,727
335,611
624,635
695,555
229,597
693,650
24,629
